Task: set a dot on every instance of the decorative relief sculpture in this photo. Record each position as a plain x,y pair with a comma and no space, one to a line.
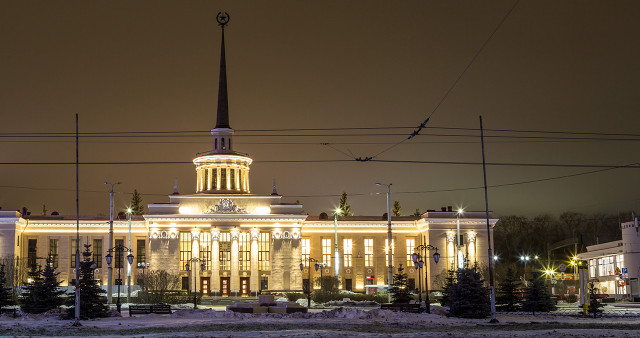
225,206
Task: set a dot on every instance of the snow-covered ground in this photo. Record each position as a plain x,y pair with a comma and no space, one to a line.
325,323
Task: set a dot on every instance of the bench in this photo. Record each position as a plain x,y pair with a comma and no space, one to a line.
146,309
402,307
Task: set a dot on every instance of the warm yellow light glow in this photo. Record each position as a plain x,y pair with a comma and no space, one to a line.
185,210
129,210
262,210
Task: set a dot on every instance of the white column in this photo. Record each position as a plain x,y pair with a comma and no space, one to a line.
235,264
255,272
215,258
451,255
195,253
471,246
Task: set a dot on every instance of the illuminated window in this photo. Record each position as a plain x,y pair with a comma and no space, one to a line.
53,252
223,178
348,252
620,261
205,250
225,250
214,177
411,245
264,249
326,251
244,250
74,247
368,252
386,251
306,250
185,249
592,268
97,252
232,179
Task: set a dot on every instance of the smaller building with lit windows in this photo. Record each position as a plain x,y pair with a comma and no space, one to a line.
608,262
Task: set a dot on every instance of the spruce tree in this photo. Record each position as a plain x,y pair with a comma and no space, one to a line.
450,280
417,212
43,292
468,297
595,305
395,211
345,208
538,298
5,292
399,288
92,296
507,298
137,208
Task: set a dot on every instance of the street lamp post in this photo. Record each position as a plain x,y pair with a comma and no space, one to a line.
336,254
195,279
524,259
130,212
309,284
436,257
109,258
143,266
418,266
389,240
110,269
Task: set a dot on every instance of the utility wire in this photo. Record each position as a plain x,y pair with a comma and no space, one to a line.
453,85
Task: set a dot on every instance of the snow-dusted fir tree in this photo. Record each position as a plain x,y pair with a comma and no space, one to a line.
538,298
507,299
137,208
399,288
468,297
43,293
449,281
92,296
595,305
5,292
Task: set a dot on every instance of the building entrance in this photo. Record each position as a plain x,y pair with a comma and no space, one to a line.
224,286
204,286
244,286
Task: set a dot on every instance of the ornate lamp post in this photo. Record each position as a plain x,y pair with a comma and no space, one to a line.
195,279
309,285
143,266
109,258
436,257
418,263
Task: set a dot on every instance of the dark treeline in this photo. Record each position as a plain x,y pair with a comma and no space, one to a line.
552,238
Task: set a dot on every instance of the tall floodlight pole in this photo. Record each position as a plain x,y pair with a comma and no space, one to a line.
109,268
77,312
336,254
486,204
389,242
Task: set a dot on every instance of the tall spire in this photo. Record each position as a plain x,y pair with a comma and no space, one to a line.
223,101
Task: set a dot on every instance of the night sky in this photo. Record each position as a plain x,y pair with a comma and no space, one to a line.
570,67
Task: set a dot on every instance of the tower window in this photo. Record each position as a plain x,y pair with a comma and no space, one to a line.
222,144
215,144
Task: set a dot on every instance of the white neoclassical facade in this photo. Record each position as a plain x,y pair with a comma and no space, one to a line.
238,243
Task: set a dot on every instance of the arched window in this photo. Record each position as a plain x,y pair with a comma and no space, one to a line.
222,144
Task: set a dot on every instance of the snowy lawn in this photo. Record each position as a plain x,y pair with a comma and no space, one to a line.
327,323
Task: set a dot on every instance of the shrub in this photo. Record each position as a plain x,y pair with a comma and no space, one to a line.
571,299
293,296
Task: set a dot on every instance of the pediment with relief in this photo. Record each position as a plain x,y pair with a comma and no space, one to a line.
225,206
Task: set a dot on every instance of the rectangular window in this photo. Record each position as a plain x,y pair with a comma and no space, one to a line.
592,268
264,283
264,249
214,176
232,178
97,252
141,252
185,249
223,178
244,250
306,251
185,283
74,247
119,256
620,262
326,251
368,252
411,245
386,251
53,252
347,249
205,250
32,251
225,250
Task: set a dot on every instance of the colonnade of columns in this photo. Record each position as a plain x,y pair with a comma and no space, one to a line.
223,177
469,249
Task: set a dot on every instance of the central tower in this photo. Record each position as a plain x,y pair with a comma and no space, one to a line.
222,170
